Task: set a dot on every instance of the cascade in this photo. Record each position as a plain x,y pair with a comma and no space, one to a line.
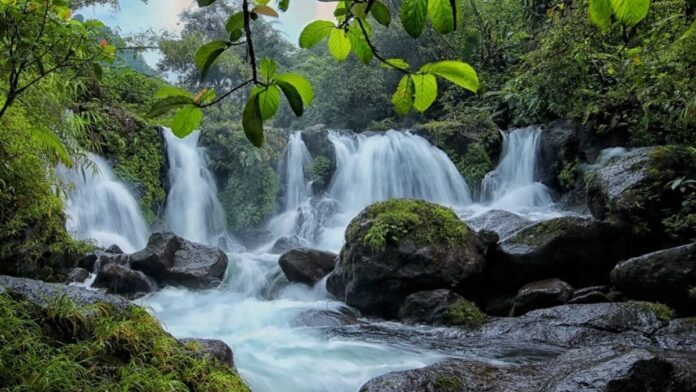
193,210
292,169
101,208
511,186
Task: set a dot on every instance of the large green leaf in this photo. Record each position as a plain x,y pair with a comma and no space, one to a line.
166,104
381,13
171,91
425,91
339,44
293,96
398,63
359,45
441,16
413,14
600,14
314,32
630,12
302,85
203,3
267,68
235,22
252,121
269,101
207,54
186,120
457,72
403,97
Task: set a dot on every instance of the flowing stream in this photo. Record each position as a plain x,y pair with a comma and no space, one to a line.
289,337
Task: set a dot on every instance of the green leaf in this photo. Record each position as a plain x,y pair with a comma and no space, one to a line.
186,120
457,72
293,96
205,3
425,91
630,12
269,101
339,44
171,91
302,85
381,13
267,68
314,32
235,22
283,5
207,54
600,14
252,121
403,97
169,103
236,35
398,63
359,45
413,13
441,16
96,70
51,144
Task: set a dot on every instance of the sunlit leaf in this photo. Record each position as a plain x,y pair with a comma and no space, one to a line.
339,44
413,14
425,91
186,120
403,97
457,72
314,32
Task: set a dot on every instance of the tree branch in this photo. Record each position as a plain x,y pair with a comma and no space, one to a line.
227,94
250,43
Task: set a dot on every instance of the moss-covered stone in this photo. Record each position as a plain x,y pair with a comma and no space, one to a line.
661,311
464,313
99,347
422,222
448,384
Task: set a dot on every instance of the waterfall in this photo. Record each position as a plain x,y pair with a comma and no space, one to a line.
292,169
193,210
393,164
511,185
101,208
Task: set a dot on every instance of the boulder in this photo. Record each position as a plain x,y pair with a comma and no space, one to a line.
285,244
117,279
316,139
325,318
42,293
172,260
580,251
115,249
440,307
679,334
635,190
502,222
543,294
591,295
558,144
77,275
210,347
400,247
307,266
666,276
590,369
254,238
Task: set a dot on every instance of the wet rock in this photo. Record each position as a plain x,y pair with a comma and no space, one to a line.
543,294
400,247
87,262
679,334
311,218
254,238
440,307
117,279
580,325
667,276
211,347
115,249
325,319
77,275
172,260
41,293
558,144
307,266
591,369
590,297
489,237
285,244
316,139
580,251
502,222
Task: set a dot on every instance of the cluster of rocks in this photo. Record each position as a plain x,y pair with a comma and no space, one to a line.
168,260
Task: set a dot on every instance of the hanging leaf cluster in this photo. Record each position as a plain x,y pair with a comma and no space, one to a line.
627,12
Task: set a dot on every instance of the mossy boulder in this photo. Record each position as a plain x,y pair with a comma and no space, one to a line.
398,247
62,338
440,307
637,190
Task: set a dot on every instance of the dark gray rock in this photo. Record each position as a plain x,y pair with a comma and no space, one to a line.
77,275
172,260
489,237
542,294
325,319
211,347
666,276
285,244
117,279
87,261
41,293
680,334
307,266
114,249
502,222
590,369
440,307
254,238
558,144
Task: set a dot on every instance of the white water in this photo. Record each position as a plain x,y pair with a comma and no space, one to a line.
100,208
193,210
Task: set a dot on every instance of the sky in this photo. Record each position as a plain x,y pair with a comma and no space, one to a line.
134,16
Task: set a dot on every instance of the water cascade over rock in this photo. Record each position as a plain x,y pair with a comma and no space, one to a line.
101,208
193,210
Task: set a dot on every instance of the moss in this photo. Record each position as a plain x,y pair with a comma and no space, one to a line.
448,384
464,313
661,311
475,164
568,175
321,170
397,219
535,235
66,347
